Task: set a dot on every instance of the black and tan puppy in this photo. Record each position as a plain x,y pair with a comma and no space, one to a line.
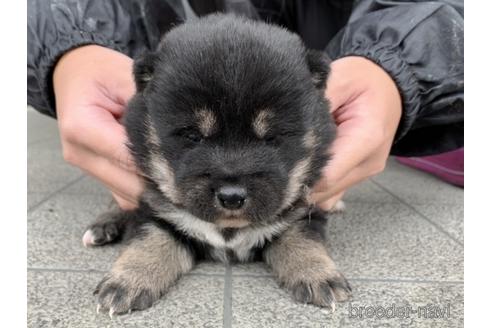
230,129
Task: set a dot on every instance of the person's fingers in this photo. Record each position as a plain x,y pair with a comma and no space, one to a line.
117,93
357,174
341,89
320,197
348,151
345,183
125,183
102,134
122,202
334,97
328,204
124,89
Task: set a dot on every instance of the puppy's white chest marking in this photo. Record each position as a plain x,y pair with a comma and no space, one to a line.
241,243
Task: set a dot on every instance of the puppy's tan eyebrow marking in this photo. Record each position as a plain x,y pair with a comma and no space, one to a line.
260,123
206,121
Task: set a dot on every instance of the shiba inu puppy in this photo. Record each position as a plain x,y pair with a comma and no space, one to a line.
230,129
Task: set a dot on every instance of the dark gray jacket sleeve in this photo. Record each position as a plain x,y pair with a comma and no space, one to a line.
55,27
420,44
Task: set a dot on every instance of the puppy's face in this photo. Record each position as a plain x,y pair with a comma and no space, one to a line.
229,121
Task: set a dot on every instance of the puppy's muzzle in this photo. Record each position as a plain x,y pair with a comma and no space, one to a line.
231,197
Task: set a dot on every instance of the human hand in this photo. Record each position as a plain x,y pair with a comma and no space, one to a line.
366,106
92,86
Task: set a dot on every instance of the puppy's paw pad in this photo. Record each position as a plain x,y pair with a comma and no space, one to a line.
100,234
323,294
118,297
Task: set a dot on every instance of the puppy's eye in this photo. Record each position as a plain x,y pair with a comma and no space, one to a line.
278,138
190,134
193,136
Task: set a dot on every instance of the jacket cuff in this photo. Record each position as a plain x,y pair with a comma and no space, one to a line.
48,61
392,62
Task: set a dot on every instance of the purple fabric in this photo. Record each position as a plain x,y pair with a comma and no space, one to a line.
446,166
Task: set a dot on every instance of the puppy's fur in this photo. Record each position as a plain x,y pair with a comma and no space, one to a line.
230,128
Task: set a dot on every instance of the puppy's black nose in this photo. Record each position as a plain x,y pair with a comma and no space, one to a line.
231,197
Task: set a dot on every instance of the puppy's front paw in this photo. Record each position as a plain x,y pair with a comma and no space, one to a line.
106,229
325,293
124,292
100,234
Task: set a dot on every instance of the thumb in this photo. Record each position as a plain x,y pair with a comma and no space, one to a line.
338,89
125,89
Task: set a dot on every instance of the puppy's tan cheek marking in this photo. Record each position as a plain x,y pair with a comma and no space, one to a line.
260,123
310,140
207,122
163,174
160,169
152,137
296,178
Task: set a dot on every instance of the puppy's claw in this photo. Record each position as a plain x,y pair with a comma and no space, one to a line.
111,312
333,298
325,294
98,308
88,239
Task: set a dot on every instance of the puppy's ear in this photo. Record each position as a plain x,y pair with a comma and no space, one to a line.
143,70
319,66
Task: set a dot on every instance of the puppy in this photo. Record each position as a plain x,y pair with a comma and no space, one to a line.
230,129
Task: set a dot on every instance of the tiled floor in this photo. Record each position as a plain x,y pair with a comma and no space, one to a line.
400,243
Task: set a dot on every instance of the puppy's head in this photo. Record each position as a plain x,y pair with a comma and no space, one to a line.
229,121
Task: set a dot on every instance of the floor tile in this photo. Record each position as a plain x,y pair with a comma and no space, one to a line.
367,192
34,198
87,186
55,230
209,268
46,169
64,299
260,302
40,127
417,187
448,216
253,269
391,241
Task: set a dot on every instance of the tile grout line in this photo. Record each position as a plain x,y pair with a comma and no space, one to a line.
54,193
34,269
228,278
227,315
394,280
64,270
437,226
252,275
412,281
